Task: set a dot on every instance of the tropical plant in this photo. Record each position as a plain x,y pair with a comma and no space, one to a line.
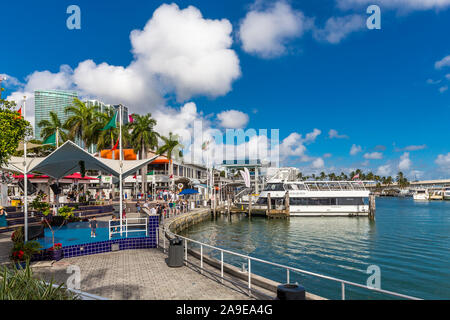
14,129
52,126
21,284
81,118
144,138
171,148
23,251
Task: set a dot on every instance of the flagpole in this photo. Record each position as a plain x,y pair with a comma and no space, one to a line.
120,164
57,139
25,174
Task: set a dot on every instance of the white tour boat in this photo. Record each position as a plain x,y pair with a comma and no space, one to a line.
317,198
421,194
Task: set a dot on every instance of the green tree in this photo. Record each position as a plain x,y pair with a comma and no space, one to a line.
49,127
171,148
79,123
14,129
144,138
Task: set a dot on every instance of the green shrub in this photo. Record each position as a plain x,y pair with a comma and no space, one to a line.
20,284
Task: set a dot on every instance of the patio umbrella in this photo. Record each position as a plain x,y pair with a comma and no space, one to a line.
188,191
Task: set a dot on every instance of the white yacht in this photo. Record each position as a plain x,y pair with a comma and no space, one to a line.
317,198
447,193
421,194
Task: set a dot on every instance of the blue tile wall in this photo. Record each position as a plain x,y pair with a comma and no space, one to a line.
124,244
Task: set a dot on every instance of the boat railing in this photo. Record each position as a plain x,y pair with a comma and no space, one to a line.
343,283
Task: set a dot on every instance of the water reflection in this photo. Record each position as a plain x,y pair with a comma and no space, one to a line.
409,241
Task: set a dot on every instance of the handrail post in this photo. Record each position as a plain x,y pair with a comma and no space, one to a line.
249,277
221,264
287,276
185,250
343,290
201,258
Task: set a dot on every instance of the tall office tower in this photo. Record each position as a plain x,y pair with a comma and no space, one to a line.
51,100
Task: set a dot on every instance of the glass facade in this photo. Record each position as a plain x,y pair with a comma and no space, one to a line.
51,100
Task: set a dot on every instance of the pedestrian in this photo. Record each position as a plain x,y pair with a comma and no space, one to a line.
93,225
3,215
138,207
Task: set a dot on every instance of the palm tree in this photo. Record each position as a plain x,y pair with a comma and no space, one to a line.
144,138
49,127
171,147
80,120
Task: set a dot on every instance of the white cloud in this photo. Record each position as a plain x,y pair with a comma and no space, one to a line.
443,161
337,28
188,52
411,148
233,119
373,155
312,136
265,33
385,170
444,62
334,134
318,163
443,89
404,5
327,155
292,145
431,81
447,76
405,162
355,149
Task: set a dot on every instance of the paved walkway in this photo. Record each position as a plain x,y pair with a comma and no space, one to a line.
5,247
140,274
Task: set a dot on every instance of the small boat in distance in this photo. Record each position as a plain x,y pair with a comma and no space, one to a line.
421,194
447,193
436,194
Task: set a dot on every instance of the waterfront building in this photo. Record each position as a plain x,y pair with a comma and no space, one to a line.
51,100
257,169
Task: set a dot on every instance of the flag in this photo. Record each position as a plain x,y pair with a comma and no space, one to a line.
112,123
356,177
205,145
116,145
51,140
134,177
151,173
20,111
130,118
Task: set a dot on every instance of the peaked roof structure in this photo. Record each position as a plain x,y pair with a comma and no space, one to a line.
66,160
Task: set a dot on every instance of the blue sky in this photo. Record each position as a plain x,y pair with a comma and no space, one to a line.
379,89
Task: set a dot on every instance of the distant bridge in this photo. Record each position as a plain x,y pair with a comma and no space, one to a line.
415,184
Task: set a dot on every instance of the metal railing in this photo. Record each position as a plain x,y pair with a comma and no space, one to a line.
114,228
288,269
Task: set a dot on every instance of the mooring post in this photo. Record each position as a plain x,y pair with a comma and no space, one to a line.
228,204
249,205
269,205
286,202
372,207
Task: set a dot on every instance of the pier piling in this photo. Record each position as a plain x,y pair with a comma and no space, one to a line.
372,207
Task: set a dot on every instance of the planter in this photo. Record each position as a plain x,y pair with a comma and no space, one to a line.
21,264
55,254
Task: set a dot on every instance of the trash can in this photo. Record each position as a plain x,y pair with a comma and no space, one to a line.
176,258
291,292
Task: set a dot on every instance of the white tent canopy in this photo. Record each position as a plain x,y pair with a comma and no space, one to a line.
66,160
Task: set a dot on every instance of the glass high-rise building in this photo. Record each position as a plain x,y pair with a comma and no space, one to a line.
51,100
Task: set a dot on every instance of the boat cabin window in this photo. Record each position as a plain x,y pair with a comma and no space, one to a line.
325,201
274,187
295,187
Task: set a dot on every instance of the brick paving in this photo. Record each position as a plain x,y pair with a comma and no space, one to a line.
140,274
